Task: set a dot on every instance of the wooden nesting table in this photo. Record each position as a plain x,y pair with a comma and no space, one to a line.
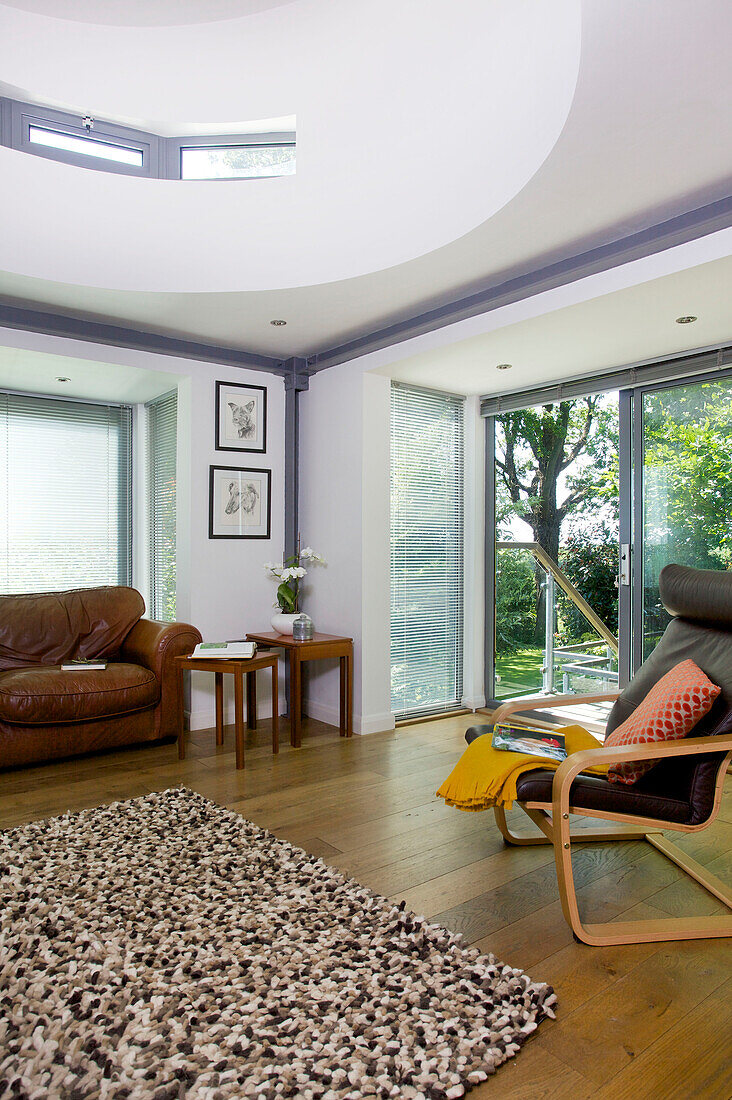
238,667
320,647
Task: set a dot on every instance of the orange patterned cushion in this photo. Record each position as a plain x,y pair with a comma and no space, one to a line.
669,711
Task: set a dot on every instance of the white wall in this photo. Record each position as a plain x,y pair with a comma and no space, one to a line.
222,587
344,515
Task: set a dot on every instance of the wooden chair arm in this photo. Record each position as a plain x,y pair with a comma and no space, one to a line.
570,768
546,702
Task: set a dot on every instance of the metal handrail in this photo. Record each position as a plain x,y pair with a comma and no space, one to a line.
550,566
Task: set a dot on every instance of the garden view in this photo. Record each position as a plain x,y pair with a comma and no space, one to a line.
557,470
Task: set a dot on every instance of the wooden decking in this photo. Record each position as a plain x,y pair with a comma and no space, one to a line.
648,1021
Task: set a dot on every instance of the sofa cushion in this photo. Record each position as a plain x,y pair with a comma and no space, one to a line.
49,628
41,695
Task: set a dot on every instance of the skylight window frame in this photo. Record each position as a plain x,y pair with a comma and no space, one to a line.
175,147
24,116
161,156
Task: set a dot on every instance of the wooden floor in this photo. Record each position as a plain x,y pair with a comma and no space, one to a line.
650,1021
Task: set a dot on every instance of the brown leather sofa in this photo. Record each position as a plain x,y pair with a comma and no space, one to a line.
47,713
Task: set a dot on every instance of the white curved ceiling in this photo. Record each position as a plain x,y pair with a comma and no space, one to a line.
648,136
410,133
145,13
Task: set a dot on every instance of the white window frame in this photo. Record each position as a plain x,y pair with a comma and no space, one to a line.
161,156
23,116
175,147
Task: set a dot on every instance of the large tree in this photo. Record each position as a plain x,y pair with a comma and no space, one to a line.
554,463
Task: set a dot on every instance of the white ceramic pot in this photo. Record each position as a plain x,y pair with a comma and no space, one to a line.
283,623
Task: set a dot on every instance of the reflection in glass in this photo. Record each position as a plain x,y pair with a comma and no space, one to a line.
687,487
202,162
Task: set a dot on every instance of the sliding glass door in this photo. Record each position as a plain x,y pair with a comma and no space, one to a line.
683,490
556,550
588,499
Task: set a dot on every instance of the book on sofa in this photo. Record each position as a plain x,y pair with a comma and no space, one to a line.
225,649
74,666
532,741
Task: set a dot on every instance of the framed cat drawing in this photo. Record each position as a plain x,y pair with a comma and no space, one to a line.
241,417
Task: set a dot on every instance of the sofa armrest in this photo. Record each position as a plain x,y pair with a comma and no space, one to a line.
154,645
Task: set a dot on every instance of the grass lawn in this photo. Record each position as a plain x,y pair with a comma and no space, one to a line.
520,672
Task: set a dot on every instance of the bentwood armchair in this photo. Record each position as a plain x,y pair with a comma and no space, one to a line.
682,792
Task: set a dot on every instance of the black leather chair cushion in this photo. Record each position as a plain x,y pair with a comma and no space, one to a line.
690,802
679,791
477,731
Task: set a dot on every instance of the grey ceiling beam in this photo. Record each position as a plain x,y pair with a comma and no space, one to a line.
685,227
120,336
656,238
296,380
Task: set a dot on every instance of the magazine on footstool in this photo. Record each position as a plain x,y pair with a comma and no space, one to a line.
532,741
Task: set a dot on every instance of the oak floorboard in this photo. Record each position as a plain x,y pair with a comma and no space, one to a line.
486,912
451,889
642,1020
536,937
534,1075
383,828
605,1034
661,1070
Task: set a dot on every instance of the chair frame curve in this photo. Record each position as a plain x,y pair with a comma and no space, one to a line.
553,820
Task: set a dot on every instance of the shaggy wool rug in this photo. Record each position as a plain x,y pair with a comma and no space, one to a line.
165,947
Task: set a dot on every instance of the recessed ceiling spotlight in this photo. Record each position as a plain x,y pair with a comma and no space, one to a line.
503,366
278,323
62,378
689,319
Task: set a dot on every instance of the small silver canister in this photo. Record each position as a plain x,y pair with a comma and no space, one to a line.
302,628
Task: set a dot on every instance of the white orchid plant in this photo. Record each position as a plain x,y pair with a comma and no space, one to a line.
289,574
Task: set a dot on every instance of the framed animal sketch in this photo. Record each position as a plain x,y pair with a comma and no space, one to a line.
239,503
241,417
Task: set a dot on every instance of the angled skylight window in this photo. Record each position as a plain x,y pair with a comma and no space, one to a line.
86,146
219,162
88,142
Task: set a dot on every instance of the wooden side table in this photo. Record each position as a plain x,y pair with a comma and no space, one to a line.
239,667
318,648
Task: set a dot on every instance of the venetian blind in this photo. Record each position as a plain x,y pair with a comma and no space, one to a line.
162,419
426,551
65,487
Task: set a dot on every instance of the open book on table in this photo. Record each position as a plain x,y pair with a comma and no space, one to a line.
225,649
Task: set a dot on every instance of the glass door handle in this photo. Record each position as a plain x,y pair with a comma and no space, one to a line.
625,563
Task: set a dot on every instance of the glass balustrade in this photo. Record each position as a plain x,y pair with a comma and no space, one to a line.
548,639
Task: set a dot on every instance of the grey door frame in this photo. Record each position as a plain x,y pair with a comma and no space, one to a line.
625,406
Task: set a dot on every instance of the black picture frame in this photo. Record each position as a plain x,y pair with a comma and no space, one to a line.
241,416
226,513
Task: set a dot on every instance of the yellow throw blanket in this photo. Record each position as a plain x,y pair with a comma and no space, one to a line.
484,777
